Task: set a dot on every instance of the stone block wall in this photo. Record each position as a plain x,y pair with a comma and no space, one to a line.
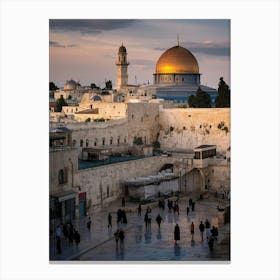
187,128
143,121
105,183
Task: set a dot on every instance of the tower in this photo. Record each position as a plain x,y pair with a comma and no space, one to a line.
122,63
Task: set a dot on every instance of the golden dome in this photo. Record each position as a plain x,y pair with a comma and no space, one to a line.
177,60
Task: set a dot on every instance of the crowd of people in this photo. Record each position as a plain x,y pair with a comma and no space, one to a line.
204,228
69,233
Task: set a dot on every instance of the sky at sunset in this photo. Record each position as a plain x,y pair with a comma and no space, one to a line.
86,50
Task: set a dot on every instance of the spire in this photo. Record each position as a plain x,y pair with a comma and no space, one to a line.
178,39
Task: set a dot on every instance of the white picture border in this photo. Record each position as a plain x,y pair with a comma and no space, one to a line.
254,148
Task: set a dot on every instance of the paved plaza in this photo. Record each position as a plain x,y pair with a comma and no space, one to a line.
141,244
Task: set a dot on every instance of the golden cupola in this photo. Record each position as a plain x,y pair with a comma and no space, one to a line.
177,60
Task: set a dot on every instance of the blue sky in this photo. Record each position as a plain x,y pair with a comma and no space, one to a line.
86,50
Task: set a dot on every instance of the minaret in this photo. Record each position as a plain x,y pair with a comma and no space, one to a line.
122,63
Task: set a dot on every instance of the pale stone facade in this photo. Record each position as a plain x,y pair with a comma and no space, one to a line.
143,121
188,128
105,183
64,201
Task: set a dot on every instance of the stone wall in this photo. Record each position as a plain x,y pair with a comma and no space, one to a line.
92,134
105,183
143,122
62,159
187,128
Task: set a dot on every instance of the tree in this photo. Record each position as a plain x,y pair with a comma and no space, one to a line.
59,104
93,85
108,85
138,141
200,100
223,98
52,86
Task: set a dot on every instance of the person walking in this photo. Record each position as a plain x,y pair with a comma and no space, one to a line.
71,234
117,237
190,202
193,204
207,224
188,210
89,223
121,235
58,239
158,220
201,229
139,209
192,229
124,218
149,219
77,238
119,216
176,233
109,220
146,219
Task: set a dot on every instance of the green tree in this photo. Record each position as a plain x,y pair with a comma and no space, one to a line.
223,98
52,86
59,104
108,85
156,145
138,141
200,100
93,85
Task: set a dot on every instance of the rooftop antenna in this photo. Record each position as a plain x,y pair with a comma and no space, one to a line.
178,39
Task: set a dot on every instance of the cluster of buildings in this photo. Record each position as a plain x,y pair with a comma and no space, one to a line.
135,141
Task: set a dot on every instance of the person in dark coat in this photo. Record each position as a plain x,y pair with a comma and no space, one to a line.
192,229
124,219
119,216
117,237
123,202
71,235
109,220
158,220
176,233
77,238
121,234
193,204
190,202
188,210
207,224
201,229
89,223
146,219
139,209
65,231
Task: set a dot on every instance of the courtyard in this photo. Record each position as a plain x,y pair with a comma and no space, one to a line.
149,245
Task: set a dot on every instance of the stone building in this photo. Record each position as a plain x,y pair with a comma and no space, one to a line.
63,163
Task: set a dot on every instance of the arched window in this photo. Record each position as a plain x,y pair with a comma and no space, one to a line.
111,140
95,142
103,141
125,139
87,141
61,176
74,143
118,140
81,143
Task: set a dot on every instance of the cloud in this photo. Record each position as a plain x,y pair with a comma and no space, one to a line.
87,26
142,62
160,49
208,47
58,45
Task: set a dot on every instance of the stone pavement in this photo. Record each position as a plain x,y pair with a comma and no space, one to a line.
148,245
